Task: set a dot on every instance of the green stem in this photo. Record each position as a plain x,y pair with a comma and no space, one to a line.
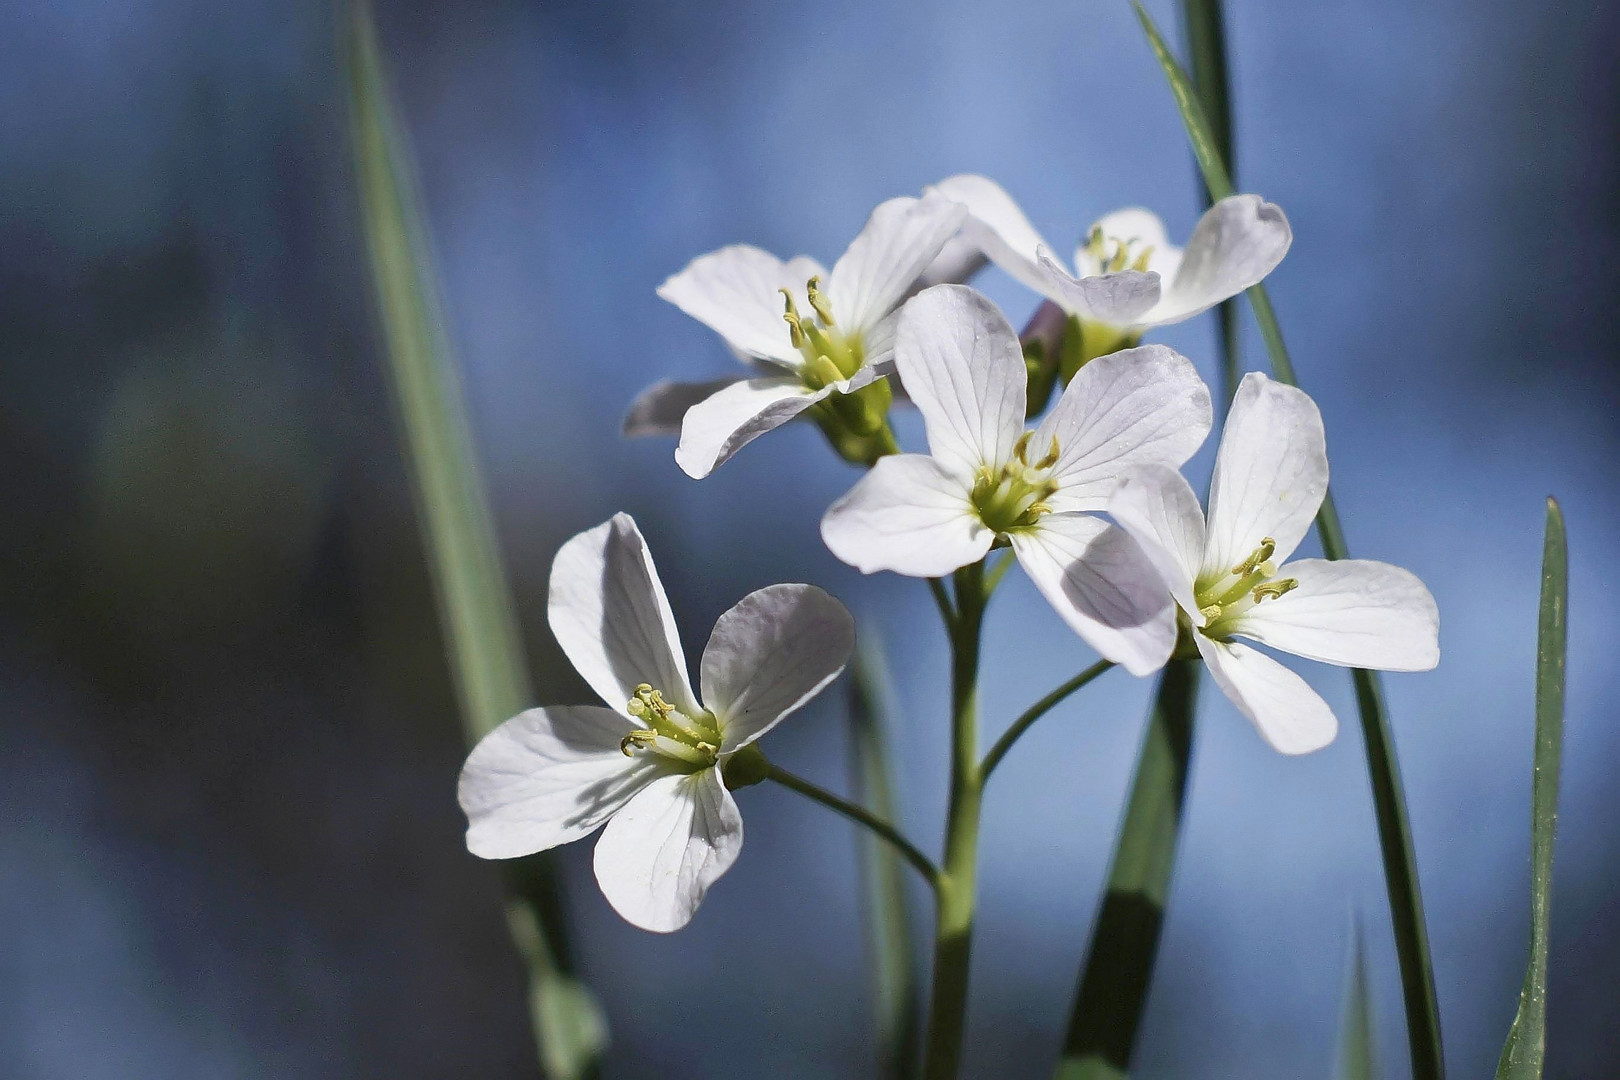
1119,965
942,600
947,1010
1034,713
861,816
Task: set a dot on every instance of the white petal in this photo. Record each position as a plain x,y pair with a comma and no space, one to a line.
955,264
878,343
1270,475
1158,508
898,242
1144,406
608,611
733,291
1236,244
910,515
1291,716
658,856
548,776
997,226
1117,299
735,416
1141,230
770,654
1355,613
1103,585
659,409
962,365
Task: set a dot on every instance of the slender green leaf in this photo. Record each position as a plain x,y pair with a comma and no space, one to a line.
897,1013
1119,965
480,629
1358,1054
1389,798
1526,1047
1206,46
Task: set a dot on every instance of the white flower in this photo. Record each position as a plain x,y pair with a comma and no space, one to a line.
650,766
986,477
1270,477
836,336
1127,276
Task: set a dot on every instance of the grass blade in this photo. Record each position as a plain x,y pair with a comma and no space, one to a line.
1358,1055
1206,46
480,629
1389,798
1119,965
897,1014
1526,1047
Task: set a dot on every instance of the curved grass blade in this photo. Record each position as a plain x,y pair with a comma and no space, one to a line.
1526,1048
486,657
897,1013
1389,798
1119,965
1206,47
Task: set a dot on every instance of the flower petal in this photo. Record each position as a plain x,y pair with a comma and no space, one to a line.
733,292
659,409
955,264
962,365
1354,613
1116,299
658,856
546,777
1103,585
1141,231
770,654
1270,475
898,242
910,515
1291,716
1156,505
608,611
996,226
1143,406
1235,244
735,416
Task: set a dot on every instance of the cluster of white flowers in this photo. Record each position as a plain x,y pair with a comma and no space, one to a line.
1157,581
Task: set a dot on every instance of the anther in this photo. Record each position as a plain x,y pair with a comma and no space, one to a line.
1051,456
818,300
1267,548
1210,613
1141,262
1021,447
791,317
1271,590
635,739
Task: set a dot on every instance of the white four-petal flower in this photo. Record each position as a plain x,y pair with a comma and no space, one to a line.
650,766
837,338
1127,276
1270,477
929,514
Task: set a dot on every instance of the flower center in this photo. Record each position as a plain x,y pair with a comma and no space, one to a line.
691,740
830,355
1111,254
1222,600
1014,496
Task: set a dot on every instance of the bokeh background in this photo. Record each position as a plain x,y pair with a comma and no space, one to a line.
229,845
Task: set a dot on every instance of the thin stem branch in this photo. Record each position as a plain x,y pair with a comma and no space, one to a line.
861,816
947,1011
999,571
1034,713
942,600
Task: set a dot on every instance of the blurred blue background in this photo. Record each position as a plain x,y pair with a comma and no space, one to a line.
229,845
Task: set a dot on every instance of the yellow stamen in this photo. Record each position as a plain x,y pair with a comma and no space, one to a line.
818,300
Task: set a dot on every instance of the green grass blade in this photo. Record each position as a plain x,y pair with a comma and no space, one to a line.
1389,799
1119,965
1526,1047
1358,1054
1206,46
480,629
897,1014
